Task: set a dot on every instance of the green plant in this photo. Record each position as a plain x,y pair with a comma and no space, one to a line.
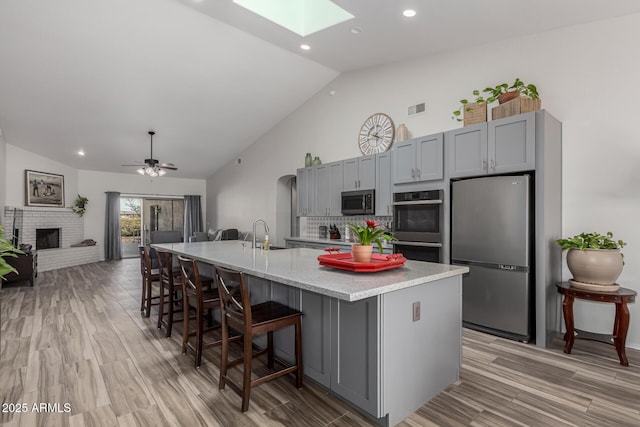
479,99
369,233
591,241
6,250
79,206
518,85
493,93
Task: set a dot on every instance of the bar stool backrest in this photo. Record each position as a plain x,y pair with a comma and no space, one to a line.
145,260
165,266
191,282
235,304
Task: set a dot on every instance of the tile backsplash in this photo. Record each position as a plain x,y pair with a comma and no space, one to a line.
309,225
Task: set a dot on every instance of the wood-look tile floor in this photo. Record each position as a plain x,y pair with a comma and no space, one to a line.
77,340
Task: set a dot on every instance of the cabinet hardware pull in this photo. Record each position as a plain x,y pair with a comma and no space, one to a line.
413,173
418,172
492,164
484,165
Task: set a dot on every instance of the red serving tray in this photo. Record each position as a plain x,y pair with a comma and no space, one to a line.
344,261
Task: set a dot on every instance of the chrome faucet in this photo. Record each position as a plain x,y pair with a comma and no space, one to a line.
266,230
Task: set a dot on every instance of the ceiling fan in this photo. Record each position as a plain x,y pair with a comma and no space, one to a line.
153,167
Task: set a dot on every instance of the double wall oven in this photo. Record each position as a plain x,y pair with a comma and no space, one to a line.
417,225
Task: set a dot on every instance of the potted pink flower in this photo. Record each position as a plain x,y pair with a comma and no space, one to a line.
367,235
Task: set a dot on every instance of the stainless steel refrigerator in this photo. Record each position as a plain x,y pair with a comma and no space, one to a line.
491,232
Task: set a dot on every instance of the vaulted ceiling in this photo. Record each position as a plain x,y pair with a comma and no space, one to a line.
209,76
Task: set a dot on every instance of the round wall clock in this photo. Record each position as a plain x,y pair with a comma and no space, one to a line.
376,134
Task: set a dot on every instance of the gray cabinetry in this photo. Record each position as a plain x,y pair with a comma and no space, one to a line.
328,188
512,145
383,184
500,146
354,352
305,182
420,159
360,173
316,337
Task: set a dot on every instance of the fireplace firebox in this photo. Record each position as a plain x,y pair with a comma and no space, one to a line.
47,238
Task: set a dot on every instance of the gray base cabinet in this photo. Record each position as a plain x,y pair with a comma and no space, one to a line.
371,352
354,353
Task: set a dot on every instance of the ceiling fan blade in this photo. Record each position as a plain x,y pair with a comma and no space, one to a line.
168,166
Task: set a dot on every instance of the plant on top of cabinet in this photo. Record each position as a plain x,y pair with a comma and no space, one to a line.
501,93
594,260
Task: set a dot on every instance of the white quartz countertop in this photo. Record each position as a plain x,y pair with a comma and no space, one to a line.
299,268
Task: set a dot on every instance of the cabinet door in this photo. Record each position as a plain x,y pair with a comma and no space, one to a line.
316,337
284,340
512,145
429,158
367,172
383,184
467,151
335,188
350,174
301,192
354,352
323,190
404,162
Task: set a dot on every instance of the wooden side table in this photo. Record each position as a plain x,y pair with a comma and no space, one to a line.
620,325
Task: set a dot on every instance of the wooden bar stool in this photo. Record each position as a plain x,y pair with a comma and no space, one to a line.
197,296
149,277
237,313
170,286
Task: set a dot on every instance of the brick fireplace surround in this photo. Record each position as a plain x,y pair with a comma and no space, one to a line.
71,226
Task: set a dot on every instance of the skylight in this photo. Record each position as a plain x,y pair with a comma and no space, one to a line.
302,17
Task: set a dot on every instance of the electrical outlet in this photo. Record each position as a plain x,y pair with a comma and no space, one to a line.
416,311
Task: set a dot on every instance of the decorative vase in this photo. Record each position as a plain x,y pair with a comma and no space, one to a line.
362,253
307,160
316,161
403,133
507,96
594,268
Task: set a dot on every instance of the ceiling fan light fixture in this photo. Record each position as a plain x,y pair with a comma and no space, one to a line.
148,170
162,172
140,171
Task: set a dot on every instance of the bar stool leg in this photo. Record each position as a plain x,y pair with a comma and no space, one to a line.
199,326
299,373
246,375
270,349
185,324
224,354
161,306
172,299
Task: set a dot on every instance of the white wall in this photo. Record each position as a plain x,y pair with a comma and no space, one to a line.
585,77
94,184
3,177
19,160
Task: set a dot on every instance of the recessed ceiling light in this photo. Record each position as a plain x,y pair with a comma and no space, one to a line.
409,13
305,47
356,30
80,153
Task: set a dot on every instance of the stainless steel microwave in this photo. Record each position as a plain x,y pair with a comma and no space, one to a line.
360,202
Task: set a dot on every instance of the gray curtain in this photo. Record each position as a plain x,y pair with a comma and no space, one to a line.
192,216
112,244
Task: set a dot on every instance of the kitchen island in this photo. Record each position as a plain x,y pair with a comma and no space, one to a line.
386,342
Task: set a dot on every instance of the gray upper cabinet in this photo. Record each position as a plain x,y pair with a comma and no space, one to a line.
305,183
500,146
467,150
360,173
512,144
419,159
328,188
383,184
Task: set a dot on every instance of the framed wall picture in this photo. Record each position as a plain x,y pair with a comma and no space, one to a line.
44,189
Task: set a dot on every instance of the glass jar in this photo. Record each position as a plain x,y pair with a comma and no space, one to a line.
307,160
316,161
